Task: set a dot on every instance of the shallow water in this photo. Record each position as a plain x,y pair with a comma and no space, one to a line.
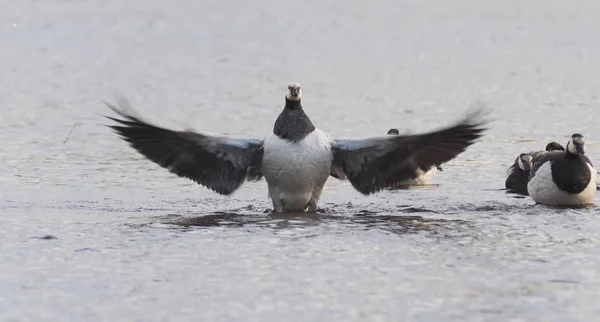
90,230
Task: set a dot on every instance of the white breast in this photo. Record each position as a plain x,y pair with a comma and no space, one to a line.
296,168
543,190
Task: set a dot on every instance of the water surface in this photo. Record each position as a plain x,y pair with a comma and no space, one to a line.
92,231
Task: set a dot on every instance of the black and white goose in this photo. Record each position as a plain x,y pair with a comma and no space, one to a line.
517,176
422,178
563,178
297,158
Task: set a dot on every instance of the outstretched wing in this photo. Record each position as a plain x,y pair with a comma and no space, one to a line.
377,163
219,163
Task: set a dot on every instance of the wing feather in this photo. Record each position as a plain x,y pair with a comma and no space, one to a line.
377,163
221,164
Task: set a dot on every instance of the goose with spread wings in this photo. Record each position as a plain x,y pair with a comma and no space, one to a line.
297,158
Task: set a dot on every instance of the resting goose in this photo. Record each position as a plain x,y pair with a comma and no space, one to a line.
297,158
563,178
518,174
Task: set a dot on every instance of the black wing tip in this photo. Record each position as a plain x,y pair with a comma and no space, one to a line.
114,119
120,131
129,118
470,127
474,125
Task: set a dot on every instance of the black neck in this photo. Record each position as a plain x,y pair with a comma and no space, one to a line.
293,124
571,173
292,105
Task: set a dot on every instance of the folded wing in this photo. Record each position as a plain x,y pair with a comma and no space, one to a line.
377,163
221,164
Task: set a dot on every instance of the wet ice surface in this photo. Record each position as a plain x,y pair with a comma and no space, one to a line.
90,230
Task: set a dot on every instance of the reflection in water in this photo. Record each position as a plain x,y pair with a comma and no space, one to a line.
363,220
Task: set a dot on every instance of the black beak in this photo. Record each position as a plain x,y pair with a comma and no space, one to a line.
294,92
579,148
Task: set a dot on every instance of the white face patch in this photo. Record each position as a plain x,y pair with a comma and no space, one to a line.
521,165
571,147
294,92
524,162
575,142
